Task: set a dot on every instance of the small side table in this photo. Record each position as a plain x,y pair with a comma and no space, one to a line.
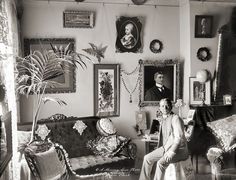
144,146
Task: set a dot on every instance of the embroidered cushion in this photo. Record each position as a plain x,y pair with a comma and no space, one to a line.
23,139
225,131
105,127
49,165
107,145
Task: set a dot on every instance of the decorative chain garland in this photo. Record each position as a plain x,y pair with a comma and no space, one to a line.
130,92
132,72
136,84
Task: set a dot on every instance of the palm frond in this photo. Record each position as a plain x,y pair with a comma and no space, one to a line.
97,51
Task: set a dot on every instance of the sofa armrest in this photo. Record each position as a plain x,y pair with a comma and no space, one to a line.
215,156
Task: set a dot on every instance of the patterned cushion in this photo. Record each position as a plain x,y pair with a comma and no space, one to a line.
225,131
23,139
107,145
84,162
49,165
105,127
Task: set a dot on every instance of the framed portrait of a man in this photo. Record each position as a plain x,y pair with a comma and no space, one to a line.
159,79
129,34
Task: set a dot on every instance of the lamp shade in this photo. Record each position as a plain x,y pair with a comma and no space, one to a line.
202,76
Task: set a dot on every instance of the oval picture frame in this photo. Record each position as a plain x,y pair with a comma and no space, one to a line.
156,46
203,54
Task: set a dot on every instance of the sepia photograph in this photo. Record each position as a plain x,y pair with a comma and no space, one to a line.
129,37
159,79
118,89
203,26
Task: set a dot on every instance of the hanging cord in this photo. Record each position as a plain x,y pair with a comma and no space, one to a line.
140,83
125,85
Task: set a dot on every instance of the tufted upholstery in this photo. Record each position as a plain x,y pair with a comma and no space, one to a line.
62,132
39,147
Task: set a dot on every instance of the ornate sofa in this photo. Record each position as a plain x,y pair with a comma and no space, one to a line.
73,134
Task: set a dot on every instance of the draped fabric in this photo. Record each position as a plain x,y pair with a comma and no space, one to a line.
4,29
9,48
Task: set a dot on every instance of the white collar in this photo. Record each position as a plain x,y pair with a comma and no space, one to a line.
159,85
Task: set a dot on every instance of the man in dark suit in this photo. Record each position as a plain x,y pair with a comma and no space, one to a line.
159,91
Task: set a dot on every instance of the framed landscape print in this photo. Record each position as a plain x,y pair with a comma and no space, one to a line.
199,92
78,19
65,82
150,95
129,31
106,90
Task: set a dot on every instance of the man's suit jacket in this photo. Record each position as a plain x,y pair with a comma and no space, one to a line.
168,140
154,94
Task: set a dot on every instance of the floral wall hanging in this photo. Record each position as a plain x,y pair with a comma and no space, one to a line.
106,90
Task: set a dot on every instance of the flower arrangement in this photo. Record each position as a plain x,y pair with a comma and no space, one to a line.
106,91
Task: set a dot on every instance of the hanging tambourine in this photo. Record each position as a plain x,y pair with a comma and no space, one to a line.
204,54
156,46
139,2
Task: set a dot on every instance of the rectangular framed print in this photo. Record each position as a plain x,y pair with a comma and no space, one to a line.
199,92
106,90
66,82
78,19
203,26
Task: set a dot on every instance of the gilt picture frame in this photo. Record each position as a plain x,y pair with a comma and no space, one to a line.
171,72
106,90
78,19
66,83
199,92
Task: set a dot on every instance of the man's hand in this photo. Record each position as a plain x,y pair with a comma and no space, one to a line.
169,155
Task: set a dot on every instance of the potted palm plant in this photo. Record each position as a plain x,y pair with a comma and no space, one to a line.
37,71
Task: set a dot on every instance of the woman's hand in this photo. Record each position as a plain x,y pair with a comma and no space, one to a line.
169,155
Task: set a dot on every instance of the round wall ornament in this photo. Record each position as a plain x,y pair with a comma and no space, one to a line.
156,46
204,54
139,2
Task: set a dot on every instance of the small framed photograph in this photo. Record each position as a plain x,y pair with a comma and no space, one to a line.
199,92
78,19
190,115
227,99
106,90
203,26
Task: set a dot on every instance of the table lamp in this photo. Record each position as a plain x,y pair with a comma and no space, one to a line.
203,76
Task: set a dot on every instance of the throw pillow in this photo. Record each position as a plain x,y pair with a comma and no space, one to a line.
23,139
49,165
105,127
107,145
225,131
